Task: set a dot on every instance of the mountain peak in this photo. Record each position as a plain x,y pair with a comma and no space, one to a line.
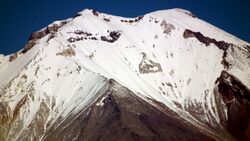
175,11
180,65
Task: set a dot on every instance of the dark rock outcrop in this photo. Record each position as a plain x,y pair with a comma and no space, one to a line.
113,36
13,57
135,20
206,40
148,66
236,96
40,34
96,13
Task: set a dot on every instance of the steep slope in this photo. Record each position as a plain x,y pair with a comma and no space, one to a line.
120,115
192,73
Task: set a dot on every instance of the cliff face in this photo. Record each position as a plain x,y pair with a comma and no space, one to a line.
166,75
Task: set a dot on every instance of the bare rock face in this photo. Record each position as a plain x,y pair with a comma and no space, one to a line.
113,36
67,52
237,98
167,27
206,40
13,57
148,66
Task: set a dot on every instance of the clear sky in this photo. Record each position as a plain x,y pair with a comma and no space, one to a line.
19,18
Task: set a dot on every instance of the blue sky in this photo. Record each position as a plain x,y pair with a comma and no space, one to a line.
19,18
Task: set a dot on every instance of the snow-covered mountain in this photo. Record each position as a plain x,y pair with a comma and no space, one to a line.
166,75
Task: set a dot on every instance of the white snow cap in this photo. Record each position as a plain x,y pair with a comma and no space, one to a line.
67,67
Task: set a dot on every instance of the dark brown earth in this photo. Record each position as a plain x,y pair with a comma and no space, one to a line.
122,116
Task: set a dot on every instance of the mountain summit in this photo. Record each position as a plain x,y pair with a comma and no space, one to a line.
164,76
